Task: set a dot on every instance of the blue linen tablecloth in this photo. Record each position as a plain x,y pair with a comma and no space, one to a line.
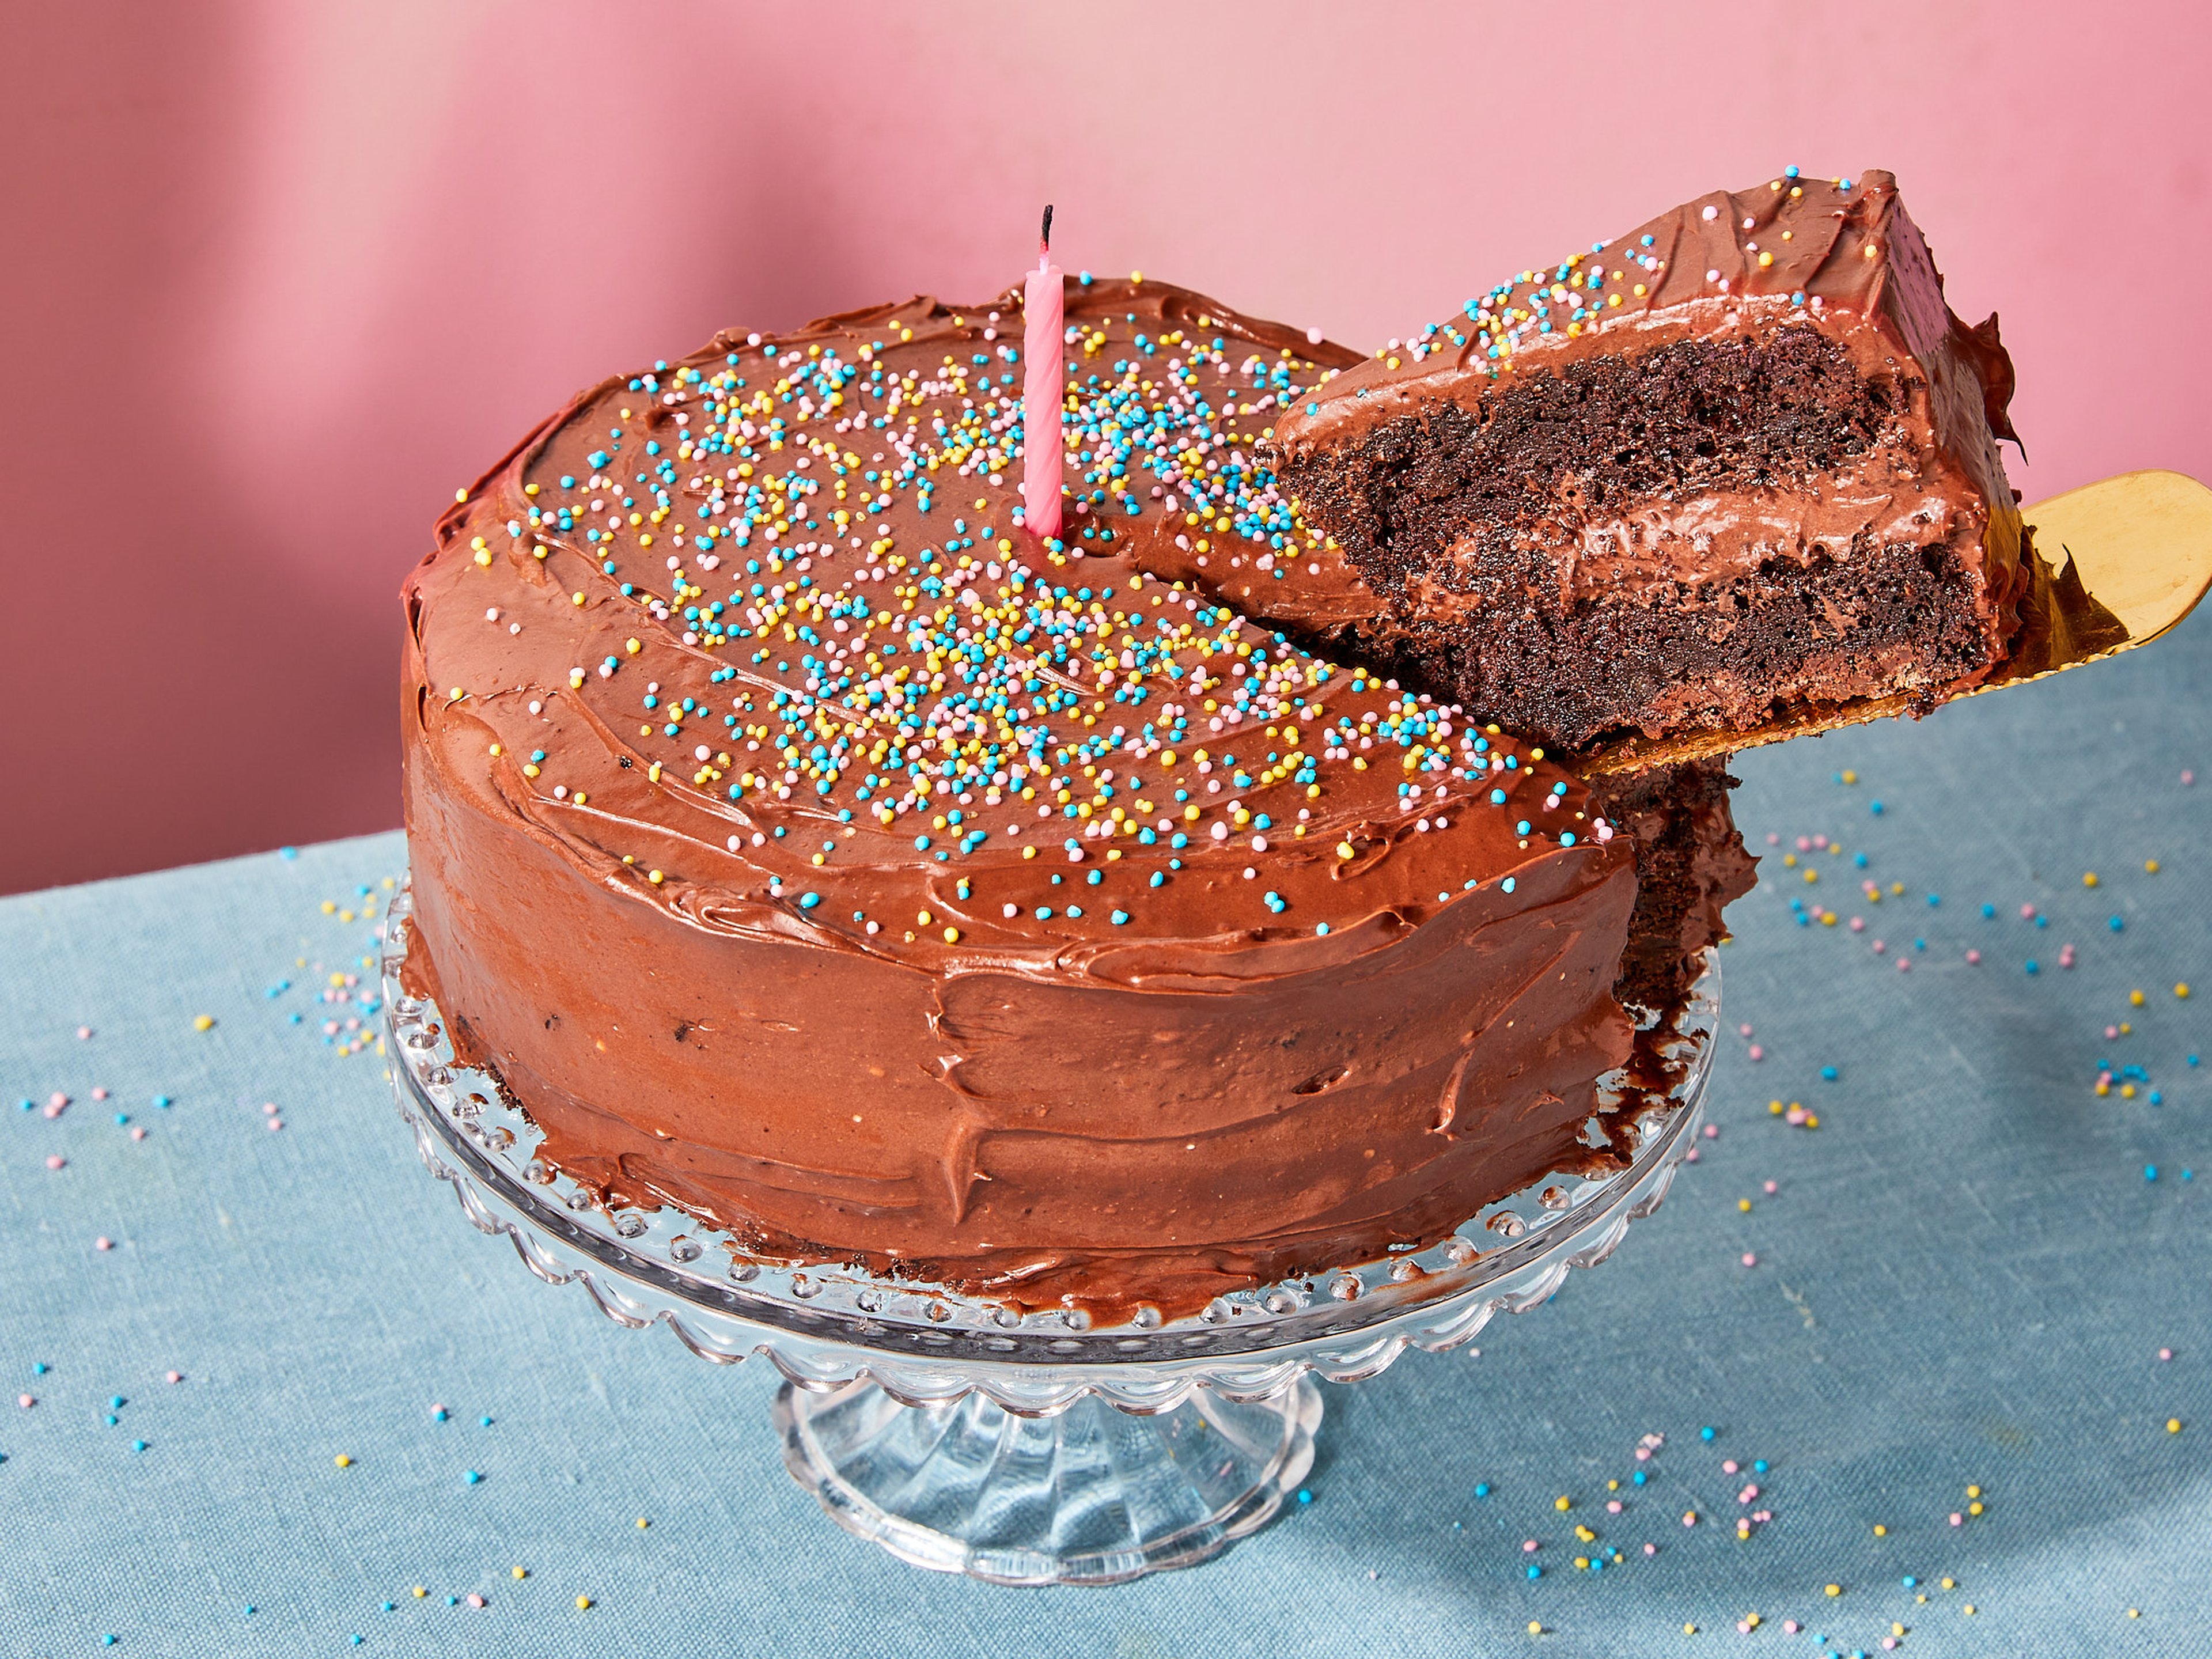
1962,1278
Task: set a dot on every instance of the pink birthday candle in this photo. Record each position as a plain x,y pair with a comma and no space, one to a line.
1044,307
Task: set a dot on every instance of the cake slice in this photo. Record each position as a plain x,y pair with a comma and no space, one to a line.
1738,463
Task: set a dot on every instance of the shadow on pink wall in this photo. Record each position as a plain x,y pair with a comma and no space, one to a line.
285,274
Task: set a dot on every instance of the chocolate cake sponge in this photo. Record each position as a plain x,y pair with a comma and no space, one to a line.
1739,461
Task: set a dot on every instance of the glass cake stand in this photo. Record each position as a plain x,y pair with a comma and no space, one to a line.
1029,1449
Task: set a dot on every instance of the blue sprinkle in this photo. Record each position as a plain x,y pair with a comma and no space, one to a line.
1321,930
1522,828
808,901
2116,924
1759,1466
1828,1074
1497,798
1707,1432
287,852
472,1477
2035,968
1482,1489
1989,910
1304,1497
1874,807
2150,1172
1535,1572
1506,886
1934,900
1639,1477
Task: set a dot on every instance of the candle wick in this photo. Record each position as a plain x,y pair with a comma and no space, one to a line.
1044,238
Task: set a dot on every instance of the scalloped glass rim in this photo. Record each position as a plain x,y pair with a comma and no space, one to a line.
825,1325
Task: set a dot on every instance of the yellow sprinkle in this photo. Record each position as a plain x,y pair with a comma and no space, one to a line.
2134,1612
2135,999
330,909
343,1461
2089,879
1950,1583
1775,1107
461,495
1689,1630
1851,777
1743,1204
2181,990
654,877
583,1601
520,1572
1973,1491
1973,1509
1833,1589
203,1022
922,918
1881,1531
418,1592
576,597
1969,1609
1562,1503
952,936
2173,1425
1535,1629
642,1523
2150,868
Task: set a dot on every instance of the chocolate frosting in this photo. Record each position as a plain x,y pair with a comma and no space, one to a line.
805,845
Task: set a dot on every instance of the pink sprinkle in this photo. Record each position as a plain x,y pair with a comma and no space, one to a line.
1690,1519
1905,964
267,1108
54,1111
2028,912
2110,1032
1651,1549
1743,1030
1743,1627
1530,1547
1804,843
1795,1115
1730,1467
137,1131
1957,1520
27,1400
55,1160
435,1408
275,1123
1749,1260
173,1376
1613,1506
1643,1454
1973,957
1746,1494
1789,1627
2165,1353
56,1101
1712,1132
1771,1189
2188,778
1887,1642
84,1034
1858,924
103,1243
1762,1516
1690,1157
475,1600
99,1094
1757,1053
1879,947
1774,840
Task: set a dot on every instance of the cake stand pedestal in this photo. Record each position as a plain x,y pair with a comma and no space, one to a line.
965,1436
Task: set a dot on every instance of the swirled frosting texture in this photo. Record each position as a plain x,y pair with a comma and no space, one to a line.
808,847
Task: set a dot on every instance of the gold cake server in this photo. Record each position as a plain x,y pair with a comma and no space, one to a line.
2117,563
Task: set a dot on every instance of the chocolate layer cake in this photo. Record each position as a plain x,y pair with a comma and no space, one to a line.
805,845
1739,461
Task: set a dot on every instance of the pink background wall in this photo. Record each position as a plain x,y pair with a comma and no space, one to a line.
281,274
